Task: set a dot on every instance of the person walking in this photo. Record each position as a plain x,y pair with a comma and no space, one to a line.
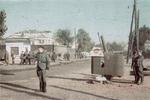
43,63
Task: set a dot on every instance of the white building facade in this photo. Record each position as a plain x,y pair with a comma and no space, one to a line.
24,41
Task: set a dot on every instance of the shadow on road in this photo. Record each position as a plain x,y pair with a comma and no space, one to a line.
66,78
122,81
15,87
86,93
6,73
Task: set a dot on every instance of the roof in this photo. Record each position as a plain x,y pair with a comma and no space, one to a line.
31,34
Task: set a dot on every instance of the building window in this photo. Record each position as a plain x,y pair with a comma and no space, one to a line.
15,50
41,41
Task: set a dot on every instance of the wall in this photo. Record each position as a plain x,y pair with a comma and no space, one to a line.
22,47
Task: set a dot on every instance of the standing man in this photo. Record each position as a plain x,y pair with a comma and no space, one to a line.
138,67
13,57
29,57
22,58
133,65
43,63
54,57
6,57
26,57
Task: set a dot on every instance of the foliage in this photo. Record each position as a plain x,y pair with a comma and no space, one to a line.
144,35
64,37
83,41
114,46
3,27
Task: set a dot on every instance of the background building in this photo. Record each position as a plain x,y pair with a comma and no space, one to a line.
28,41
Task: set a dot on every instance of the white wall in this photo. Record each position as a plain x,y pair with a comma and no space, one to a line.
22,47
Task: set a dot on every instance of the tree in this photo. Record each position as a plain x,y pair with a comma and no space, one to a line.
63,36
83,41
3,27
144,35
114,46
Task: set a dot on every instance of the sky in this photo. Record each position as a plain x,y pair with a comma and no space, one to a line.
111,18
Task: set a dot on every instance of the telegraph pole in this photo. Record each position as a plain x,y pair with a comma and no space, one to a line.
75,42
134,35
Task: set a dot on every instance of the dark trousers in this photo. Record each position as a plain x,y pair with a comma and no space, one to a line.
42,78
139,76
29,60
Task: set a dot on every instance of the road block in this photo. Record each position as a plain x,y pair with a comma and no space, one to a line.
112,64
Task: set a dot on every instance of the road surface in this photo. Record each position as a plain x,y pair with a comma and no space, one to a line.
66,82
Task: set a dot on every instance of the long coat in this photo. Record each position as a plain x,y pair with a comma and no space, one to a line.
43,61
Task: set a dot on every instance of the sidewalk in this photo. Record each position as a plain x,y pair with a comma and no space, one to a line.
18,67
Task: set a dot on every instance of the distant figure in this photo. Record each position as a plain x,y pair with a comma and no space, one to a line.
22,58
13,58
64,56
26,57
43,63
6,58
29,58
68,56
137,65
54,57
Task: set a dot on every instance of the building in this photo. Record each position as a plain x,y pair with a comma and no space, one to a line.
28,41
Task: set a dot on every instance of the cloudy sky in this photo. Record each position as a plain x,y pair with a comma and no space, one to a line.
110,18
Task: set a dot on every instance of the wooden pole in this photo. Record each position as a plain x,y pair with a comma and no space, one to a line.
99,38
75,42
131,35
136,27
137,36
103,43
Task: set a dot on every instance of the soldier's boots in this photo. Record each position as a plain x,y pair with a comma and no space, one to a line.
140,81
43,87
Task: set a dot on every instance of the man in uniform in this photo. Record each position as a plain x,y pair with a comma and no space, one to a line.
43,63
138,67
6,57
13,58
22,58
54,57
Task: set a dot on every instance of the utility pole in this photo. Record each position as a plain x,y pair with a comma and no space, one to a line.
134,35
75,43
130,43
136,26
99,38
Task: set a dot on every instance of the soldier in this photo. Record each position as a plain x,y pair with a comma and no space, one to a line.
29,57
133,65
26,57
13,58
54,57
22,58
43,63
6,58
138,67
68,56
